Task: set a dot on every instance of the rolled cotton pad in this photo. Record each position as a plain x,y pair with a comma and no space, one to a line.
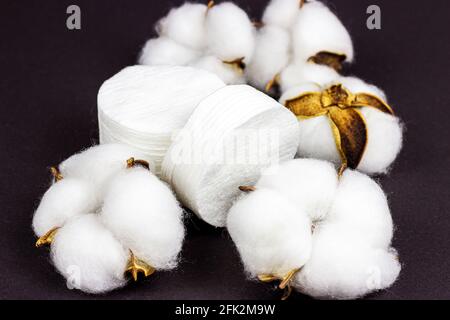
144,215
231,136
144,106
89,256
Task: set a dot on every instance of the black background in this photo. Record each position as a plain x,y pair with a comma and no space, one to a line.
49,78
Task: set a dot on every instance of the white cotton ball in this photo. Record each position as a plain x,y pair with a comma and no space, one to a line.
166,52
89,256
281,13
343,267
317,29
65,199
185,25
357,85
227,73
299,74
310,184
230,33
231,136
144,215
144,106
271,234
271,55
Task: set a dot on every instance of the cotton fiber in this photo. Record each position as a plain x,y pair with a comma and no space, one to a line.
281,13
164,51
230,137
228,73
144,106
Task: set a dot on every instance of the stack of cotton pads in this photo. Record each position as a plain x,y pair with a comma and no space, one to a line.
105,216
230,137
325,236
218,38
144,106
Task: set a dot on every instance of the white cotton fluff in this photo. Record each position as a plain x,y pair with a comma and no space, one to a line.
89,256
385,132
271,56
185,25
230,33
144,106
63,200
281,13
317,29
142,212
230,137
164,51
227,73
259,224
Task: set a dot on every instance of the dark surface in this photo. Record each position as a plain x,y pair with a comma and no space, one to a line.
48,87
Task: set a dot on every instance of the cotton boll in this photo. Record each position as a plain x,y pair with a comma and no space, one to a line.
299,74
164,51
342,267
185,25
281,13
144,215
317,29
89,256
357,85
272,54
310,184
227,73
65,199
271,234
230,33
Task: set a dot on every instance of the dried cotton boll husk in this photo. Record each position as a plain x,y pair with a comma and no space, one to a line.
270,233
166,52
142,212
144,106
185,25
272,54
231,136
281,13
89,256
230,33
317,30
228,73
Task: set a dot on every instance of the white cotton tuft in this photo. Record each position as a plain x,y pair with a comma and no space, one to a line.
272,54
231,136
166,52
89,256
144,106
281,13
65,199
227,73
230,33
270,233
142,212
185,25
317,29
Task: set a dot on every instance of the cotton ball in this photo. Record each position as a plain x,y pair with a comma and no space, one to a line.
343,267
281,13
231,136
144,215
317,29
227,73
230,33
65,199
270,233
185,25
164,51
310,184
298,74
89,256
272,54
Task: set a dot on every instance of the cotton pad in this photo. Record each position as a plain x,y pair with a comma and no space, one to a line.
89,256
144,215
144,106
230,137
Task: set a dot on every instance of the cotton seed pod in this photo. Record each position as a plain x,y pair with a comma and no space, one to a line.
319,36
230,137
144,215
166,52
367,136
144,106
88,255
281,13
